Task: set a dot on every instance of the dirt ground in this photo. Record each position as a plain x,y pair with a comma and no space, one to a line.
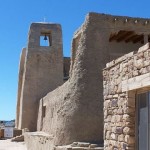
8,145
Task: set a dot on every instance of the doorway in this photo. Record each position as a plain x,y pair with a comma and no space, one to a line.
143,121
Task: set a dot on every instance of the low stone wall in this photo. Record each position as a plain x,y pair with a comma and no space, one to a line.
38,141
43,141
121,78
17,132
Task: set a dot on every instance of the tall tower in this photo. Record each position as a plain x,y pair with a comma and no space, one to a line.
41,71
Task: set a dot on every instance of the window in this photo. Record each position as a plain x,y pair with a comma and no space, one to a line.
44,111
45,39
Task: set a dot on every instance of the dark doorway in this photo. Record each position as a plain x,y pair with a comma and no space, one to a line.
143,121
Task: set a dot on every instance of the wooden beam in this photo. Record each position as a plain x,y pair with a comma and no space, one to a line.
138,39
129,38
112,37
142,42
126,34
115,36
120,34
149,38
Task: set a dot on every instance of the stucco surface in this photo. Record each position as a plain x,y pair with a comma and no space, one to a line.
74,111
42,72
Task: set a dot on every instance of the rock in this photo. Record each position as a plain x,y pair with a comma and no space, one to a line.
114,103
129,139
119,130
82,144
121,138
113,136
93,145
126,130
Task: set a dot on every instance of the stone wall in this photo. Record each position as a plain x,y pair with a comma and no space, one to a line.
121,79
43,141
17,132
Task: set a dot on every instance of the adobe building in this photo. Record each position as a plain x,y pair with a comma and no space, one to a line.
72,112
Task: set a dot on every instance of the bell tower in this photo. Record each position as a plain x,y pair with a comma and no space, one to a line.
41,71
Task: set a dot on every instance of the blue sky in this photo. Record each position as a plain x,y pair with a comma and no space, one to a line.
16,17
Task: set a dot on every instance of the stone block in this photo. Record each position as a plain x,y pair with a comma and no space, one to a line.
106,104
129,139
114,136
120,111
119,130
144,48
114,103
139,63
124,145
146,63
121,138
93,145
121,102
140,55
126,130
98,148
146,54
135,73
74,144
83,144
78,148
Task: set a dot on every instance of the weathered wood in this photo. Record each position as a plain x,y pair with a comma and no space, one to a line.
126,34
138,39
130,38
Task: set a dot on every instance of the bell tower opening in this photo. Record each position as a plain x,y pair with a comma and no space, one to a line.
45,39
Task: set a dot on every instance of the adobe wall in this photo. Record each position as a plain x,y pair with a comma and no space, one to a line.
123,77
74,111
20,80
42,72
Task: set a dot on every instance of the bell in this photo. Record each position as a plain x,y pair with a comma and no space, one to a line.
45,38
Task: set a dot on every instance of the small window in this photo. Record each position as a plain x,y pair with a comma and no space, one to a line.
44,111
45,39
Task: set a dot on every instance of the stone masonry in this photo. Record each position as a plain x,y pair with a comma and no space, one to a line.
121,80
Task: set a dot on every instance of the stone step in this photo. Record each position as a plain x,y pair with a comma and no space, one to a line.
80,146
18,138
77,148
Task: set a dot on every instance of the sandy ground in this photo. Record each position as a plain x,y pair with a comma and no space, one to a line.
8,145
